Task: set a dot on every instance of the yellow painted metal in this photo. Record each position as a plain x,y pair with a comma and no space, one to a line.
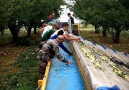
46,76
81,69
43,82
40,82
78,25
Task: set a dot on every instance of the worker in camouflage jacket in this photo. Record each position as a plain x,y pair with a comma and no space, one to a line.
47,53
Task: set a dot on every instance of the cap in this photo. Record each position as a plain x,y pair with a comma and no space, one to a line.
52,22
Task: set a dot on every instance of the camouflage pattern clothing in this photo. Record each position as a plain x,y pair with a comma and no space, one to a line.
47,53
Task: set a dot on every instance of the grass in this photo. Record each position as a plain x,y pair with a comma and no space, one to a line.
27,75
87,28
19,68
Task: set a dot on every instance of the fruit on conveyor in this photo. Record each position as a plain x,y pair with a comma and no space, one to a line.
91,53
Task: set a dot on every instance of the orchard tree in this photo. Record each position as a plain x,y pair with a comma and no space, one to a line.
16,13
4,15
104,13
40,9
15,17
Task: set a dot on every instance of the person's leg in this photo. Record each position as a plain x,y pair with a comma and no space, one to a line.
42,68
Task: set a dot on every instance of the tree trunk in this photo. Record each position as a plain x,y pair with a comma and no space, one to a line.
35,32
2,32
29,31
96,28
14,32
117,36
104,32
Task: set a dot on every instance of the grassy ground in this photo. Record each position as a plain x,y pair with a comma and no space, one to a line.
26,75
19,69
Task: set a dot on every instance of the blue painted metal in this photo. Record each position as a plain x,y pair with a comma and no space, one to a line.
104,47
125,54
115,87
94,43
114,50
83,38
65,77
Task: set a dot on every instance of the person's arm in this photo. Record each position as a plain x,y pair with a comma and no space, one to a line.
60,57
70,37
41,44
53,37
65,49
51,32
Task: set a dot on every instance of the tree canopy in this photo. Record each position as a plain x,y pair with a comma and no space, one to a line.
105,13
16,13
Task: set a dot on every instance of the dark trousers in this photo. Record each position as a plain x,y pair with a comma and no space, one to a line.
42,68
75,32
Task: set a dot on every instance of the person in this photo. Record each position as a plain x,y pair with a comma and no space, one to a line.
46,28
48,32
67,36
66,33
71,25
71,18
47,53
61,44
51,16
43,25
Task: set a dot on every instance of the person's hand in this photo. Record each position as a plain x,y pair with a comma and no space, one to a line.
78,39
69,62
70,54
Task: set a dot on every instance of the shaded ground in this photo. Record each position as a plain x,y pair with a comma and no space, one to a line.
11,61
8,56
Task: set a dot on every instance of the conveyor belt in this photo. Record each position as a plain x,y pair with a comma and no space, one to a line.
65,77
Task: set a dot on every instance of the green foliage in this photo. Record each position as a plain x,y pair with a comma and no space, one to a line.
125,3
125,34
26,78
37,10
104,13
15,13
23,41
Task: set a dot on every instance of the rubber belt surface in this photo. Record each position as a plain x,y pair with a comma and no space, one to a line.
65,77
